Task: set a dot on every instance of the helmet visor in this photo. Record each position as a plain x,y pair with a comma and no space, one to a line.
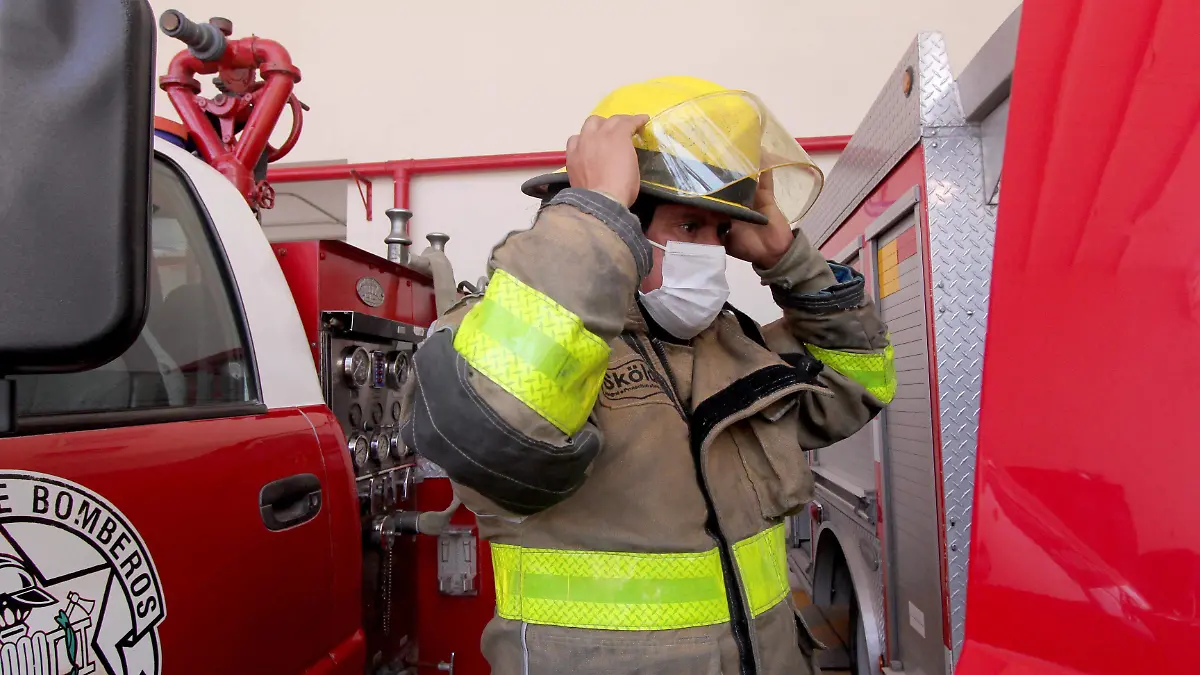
718,145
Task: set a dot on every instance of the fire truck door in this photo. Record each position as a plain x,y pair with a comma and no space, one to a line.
154,510
914,567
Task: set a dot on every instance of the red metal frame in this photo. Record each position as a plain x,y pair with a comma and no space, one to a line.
322,275
402,171
939,480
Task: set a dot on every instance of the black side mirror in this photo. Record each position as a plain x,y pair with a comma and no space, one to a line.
76,128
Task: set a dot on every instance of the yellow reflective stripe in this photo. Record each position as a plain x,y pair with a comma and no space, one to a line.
635,591
535,349
762,562
875,372
614,591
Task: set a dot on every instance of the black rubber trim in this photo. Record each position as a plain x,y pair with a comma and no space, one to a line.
58,423
808,367
729,401
617,217
836,298
221,258
545,185
453,427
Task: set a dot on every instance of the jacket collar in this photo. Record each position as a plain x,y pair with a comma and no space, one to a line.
729,350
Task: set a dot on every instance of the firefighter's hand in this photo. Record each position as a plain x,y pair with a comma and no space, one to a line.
763,245
601,156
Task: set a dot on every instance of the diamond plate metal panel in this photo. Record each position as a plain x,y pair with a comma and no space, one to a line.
961,232
940,104
962,235
891,128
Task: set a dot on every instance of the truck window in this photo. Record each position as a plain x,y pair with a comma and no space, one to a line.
191,353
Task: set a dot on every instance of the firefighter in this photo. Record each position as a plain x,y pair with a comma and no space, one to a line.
631,443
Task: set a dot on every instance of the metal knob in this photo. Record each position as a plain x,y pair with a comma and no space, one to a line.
398,239
438,240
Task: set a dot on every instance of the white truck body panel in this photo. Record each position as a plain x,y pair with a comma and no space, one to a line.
286,372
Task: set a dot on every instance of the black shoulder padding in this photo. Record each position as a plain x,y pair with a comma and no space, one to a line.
452,426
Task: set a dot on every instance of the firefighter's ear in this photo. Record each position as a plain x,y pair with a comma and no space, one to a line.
77,108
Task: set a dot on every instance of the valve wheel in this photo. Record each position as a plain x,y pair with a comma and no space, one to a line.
266,195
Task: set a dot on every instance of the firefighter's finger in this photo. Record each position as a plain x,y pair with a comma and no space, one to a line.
592,124
626,125
572,143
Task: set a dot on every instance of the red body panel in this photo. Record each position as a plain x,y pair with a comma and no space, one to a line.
450,624
191,489
1085,556
346,542
323,277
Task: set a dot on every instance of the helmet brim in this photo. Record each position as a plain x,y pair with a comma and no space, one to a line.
547,185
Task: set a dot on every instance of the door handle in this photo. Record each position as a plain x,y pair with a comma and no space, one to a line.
290,501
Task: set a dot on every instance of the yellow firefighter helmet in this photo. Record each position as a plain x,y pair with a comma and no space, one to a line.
706,146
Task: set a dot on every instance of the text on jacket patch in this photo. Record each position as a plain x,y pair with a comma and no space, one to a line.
629,382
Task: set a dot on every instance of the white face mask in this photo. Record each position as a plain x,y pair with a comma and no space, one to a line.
693,291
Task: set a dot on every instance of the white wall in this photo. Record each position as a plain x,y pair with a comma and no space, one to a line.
391,80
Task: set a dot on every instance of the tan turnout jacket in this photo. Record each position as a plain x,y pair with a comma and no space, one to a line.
693,449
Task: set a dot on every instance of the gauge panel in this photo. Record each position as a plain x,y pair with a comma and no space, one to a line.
363,378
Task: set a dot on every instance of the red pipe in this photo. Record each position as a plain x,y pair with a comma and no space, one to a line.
235,160
401,171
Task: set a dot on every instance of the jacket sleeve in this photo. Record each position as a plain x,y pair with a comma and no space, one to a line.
830,326
502,388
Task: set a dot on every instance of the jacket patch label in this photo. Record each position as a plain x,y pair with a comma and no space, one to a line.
79,592
628,382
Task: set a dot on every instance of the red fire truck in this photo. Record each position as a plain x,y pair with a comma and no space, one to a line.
199,420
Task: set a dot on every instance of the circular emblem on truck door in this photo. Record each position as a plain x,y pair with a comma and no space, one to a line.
370,291
79,592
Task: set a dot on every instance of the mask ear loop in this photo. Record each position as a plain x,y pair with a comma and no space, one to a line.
656,245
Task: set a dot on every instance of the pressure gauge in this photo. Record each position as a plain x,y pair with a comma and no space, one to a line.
397,448
379,447
397,369
355,416
359,450
395,411
356,366
377,413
